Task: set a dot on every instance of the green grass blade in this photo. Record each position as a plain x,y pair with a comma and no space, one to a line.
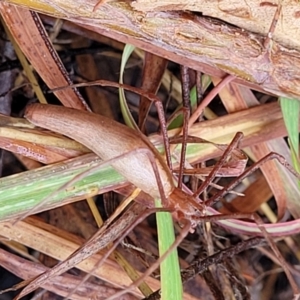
171,284
129,121
290,111
19,193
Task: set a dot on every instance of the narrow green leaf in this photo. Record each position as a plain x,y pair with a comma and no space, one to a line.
171,284
290,110
129,121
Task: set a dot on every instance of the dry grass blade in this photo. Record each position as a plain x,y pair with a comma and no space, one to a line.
35,44
45,238
154,69
61,285
48,147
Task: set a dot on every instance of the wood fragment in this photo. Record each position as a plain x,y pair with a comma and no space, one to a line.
198,42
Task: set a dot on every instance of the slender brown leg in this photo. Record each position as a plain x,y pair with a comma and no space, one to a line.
211,95
248,172
186,114
234,144
199,90
163,126
267,42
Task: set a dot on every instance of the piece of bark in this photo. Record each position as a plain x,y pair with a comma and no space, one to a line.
198,42
253,15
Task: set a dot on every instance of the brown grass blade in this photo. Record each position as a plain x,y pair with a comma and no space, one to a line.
28,31
44,238
39,145
26,269
153,71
